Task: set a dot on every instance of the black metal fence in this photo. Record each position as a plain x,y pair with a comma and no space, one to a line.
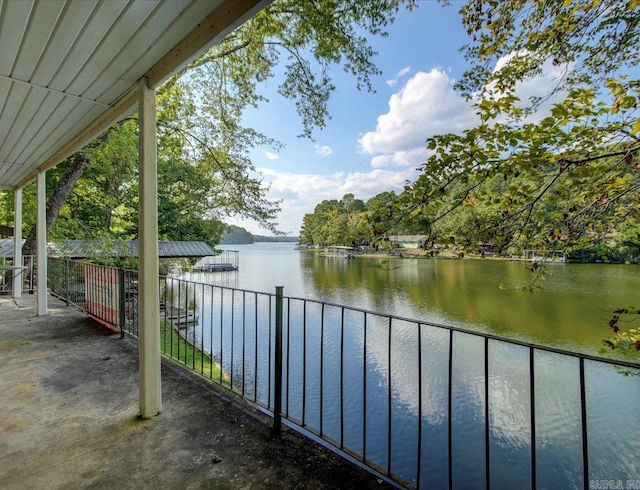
425,405
66,280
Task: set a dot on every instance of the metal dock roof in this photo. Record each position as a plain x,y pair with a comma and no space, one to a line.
80,249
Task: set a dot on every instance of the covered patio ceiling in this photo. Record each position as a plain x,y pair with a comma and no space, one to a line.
69,69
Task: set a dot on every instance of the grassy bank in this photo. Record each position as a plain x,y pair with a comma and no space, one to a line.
177,348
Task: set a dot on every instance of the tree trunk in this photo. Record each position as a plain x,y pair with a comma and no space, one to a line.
58,197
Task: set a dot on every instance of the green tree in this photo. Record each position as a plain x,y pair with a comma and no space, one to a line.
380,217
314,225
565,163
352,205
236,235
571,169
334,223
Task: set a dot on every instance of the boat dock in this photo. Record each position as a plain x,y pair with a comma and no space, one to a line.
224,261
340,252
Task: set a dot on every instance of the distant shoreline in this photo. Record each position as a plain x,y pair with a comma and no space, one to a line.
409,253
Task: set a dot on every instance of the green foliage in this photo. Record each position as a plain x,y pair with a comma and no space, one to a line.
596,40
378,220
205,174
557,171
565,175
101,203
351,220
235,234
335,223
28,200
624,339
6,208
312,36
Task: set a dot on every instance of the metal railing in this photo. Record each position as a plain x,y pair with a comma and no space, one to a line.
66,280
423,404
27,274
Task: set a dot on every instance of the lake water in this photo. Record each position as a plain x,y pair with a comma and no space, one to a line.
571,312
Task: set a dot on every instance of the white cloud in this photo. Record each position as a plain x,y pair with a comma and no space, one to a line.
540,86
365,185
271,155
394,81
323,151
409,158
301,193
504,61
548,81
425,106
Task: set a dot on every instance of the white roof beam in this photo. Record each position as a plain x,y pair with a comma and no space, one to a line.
212,30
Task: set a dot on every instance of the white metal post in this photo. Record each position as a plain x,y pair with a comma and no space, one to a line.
18,278
41,243
149,304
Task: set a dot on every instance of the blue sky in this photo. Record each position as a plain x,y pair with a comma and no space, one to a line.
374,142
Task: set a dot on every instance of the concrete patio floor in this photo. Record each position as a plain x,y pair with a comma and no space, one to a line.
68,419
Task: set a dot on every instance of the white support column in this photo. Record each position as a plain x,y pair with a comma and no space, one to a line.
149,284
18,277
41,244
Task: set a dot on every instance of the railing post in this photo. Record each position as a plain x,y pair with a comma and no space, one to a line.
122,312
583,410
277,404
66,281
31,274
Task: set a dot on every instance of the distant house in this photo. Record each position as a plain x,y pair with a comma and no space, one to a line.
408,241
486,248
